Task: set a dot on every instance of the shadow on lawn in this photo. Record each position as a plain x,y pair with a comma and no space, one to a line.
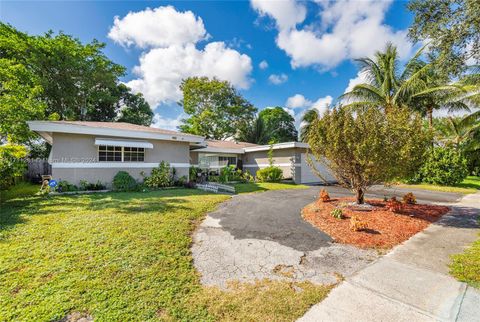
13,212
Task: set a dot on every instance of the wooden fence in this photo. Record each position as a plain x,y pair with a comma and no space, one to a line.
37,168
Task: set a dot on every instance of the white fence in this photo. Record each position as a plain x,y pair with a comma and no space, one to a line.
216,187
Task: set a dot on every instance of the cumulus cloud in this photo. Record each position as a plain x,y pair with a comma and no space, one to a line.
170,40
159,27
297,101
277,79
166,122
344,30
360,79
297,104
286,13
263,64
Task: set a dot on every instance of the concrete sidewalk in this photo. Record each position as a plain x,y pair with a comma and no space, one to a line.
411,283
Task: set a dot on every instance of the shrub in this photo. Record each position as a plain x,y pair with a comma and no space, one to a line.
337,213
12,165
180,182
160,176
409,199
394,205
269,174
193,173
123,181
444,166
64,186
324,196
356,224
247,177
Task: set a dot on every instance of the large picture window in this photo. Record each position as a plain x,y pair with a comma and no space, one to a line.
108,153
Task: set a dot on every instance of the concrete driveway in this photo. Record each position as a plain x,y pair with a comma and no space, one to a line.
262,235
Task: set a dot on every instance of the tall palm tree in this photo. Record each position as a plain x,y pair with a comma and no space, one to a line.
417,86
308,118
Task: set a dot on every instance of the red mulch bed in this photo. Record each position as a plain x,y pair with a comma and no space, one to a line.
385,228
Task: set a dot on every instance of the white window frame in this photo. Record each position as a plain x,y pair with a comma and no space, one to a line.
122,153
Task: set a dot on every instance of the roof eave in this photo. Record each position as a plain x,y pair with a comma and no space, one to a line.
45,126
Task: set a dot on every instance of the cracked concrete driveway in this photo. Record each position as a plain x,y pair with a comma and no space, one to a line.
262,235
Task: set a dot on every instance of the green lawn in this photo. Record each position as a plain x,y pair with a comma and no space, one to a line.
265,186
466,266
469,185
123,257
21,190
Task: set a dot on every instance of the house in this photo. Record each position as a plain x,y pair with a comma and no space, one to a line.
95,151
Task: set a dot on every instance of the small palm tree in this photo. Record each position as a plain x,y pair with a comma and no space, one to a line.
254,132
461,133
308,118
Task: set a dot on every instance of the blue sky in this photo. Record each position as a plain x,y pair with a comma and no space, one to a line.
308,47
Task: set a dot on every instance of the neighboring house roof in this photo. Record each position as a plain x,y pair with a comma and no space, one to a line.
228,144
114,129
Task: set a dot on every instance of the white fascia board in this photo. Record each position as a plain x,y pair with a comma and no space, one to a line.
277,146
109,165
45,126
124,143
219,150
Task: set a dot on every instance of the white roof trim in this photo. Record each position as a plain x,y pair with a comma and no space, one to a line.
220,150
277,146
124,143
46,126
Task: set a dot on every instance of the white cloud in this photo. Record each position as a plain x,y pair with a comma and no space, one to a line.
360,79
297,101
297,104
277,79
322,104
172,54
160,27
286,13
345,30
263,64
167,123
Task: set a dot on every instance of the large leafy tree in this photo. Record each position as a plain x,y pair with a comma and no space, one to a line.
132,108
57,77
214,108
19,101
367,147
78,81
279,124
453,29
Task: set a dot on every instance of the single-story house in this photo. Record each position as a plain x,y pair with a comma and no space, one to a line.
95,151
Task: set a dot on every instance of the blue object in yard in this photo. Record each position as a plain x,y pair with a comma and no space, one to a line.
52,183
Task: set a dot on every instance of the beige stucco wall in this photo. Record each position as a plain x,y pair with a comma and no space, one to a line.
286,159
78,150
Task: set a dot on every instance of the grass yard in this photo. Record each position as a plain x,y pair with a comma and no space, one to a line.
470,185
265,186
123,257
21,190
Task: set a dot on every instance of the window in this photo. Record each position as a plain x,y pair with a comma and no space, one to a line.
109,153
120,154
133,154
230,160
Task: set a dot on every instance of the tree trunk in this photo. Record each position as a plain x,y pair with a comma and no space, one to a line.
360,196
430,117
